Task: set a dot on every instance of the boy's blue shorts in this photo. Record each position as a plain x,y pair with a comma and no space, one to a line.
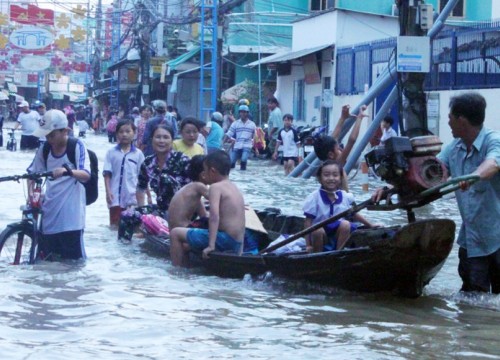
198,241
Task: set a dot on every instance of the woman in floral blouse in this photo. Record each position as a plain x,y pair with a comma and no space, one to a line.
166,171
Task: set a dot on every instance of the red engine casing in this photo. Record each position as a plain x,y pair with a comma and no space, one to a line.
423,173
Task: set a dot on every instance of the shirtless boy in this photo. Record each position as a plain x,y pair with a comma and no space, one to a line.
226,227
188,200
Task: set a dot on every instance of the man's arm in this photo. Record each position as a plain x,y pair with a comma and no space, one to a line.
487,169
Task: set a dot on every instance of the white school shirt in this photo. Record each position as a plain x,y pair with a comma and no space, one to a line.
289,139
319,207
387,134
64,199
124,170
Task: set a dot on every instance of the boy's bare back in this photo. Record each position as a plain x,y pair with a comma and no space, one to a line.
226,202
185,203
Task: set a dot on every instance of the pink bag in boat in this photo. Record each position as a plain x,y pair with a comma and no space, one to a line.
155,225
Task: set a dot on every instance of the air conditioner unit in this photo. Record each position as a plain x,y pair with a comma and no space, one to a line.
395,10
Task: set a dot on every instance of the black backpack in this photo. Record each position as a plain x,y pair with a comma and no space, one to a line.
91,186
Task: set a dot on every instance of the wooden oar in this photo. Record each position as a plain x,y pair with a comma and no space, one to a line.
314,227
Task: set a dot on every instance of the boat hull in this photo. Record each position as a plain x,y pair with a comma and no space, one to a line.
401,259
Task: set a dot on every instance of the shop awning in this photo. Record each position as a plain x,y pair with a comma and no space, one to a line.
75,97
122,63
173,87
12,87
288,55
175,63
235,93
3,95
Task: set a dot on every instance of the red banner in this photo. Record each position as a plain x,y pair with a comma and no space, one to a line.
19,14
33,15
40,16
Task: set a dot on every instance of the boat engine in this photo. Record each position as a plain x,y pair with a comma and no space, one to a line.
409,164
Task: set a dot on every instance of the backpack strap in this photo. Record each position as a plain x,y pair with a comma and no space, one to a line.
70,150
45,152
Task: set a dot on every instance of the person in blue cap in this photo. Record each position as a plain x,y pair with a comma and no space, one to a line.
241,134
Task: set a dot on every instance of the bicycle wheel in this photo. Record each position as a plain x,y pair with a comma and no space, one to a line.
17,245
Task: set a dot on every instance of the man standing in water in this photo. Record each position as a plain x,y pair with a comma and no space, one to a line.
275,123
28,121
476,150
241,133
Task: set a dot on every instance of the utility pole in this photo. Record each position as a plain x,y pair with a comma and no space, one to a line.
96,61
146,24
414,19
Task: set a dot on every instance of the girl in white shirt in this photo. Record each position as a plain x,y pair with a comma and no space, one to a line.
326,202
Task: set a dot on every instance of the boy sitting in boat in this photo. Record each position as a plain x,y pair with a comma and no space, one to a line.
188,202
226,227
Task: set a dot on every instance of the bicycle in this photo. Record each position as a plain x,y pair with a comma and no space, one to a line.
12,142
19,241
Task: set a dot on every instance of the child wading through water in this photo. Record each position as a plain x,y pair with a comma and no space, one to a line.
226,225
326,202
111,127
289,138
64,201
121,169
188,202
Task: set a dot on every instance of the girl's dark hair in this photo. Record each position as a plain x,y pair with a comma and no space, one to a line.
323,145
327,163
190,120
196,167
288,116
124,122
164,127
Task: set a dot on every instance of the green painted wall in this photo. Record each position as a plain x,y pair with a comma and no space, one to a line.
292,6
475,10
368,6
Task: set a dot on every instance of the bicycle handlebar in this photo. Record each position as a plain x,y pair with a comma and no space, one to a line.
31,176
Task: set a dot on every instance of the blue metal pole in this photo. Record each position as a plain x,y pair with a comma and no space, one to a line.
359,147
378,86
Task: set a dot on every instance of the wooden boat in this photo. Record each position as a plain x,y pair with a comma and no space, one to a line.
401,259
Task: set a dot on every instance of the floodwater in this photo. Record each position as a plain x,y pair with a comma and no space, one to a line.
123,303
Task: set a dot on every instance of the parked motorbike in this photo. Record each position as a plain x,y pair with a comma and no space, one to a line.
307,135
12,142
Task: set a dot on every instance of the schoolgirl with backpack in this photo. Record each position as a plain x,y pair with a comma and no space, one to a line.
111,127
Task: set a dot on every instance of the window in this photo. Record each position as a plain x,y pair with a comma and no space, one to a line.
298,100
319,5
458,11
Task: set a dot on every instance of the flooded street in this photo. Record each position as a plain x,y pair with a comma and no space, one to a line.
124,303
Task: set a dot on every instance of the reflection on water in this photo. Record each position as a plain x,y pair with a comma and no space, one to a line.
123,303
